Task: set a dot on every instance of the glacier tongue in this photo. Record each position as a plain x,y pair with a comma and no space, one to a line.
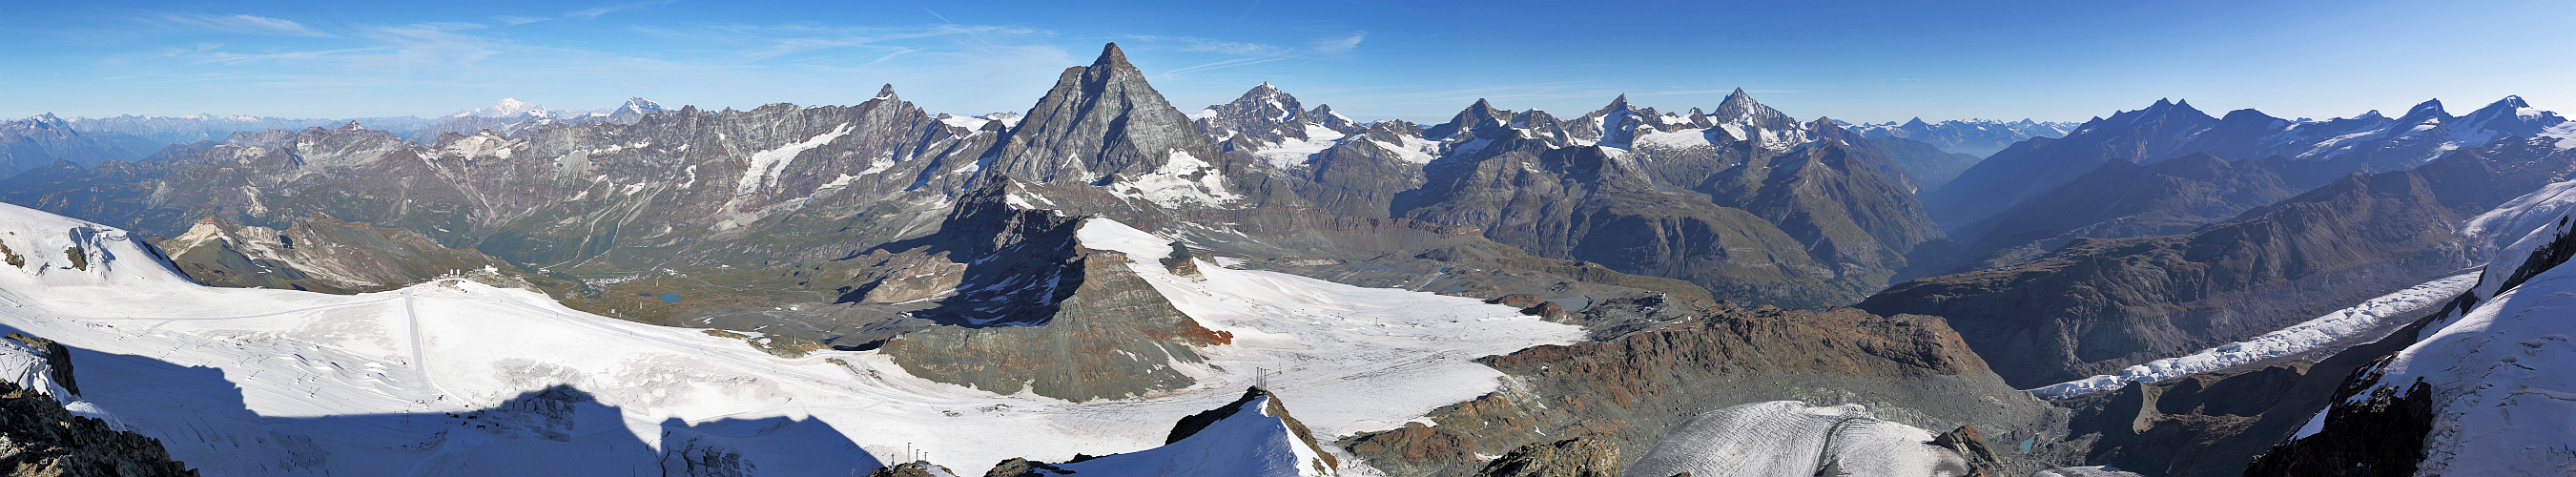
2335,326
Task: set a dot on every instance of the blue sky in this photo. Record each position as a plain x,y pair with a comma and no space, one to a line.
1423,61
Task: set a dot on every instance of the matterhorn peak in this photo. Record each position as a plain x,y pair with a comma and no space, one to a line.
1111,56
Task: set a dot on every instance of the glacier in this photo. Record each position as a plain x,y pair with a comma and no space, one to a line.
460,377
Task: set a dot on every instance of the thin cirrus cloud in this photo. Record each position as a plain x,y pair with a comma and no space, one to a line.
1251,53
243,24
754,43
1340,45
378,50
593,13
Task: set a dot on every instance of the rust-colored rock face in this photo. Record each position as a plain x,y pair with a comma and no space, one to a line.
1577,457
1625,392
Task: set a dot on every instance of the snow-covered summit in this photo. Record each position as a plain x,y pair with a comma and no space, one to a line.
507,108
1253,436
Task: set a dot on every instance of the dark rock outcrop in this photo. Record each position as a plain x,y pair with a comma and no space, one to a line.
1971,445
58,359
1577,457
39,438
2382,435
912,469
1019,467
1075,353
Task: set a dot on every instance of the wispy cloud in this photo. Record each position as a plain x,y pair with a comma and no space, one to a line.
244,24
765,42
1715,91
1221,64
430,63
1250,53
1203,45
593,13
1339,45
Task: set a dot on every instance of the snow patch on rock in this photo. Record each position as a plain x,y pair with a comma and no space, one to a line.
1182,181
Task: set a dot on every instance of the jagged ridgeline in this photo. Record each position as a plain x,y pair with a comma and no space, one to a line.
851,226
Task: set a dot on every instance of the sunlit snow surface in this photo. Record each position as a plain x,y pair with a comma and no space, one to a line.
1291,153
2503,374
273,382
1251,442
2407,304
1183,180
1790,438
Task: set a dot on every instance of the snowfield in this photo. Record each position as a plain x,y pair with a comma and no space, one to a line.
1250,442
459,378
1790,438
2503,374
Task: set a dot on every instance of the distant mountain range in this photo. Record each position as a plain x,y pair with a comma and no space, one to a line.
1559,291
85,142
1975,137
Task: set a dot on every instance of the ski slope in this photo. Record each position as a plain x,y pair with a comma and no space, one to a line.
459,378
